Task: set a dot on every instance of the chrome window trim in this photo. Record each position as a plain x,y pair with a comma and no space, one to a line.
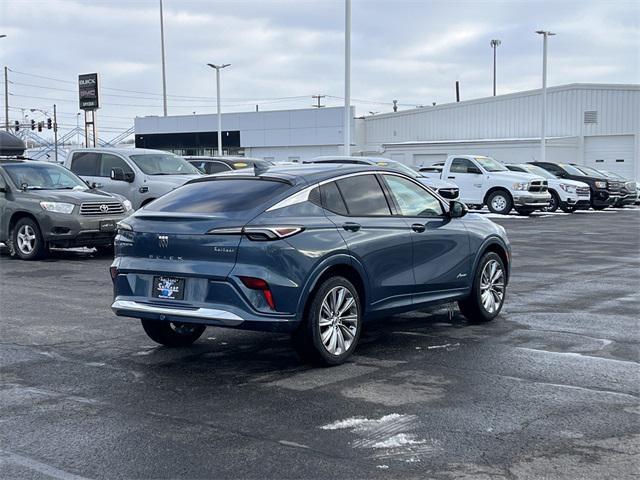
303,195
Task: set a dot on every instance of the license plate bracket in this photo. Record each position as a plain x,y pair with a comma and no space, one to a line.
168,288
107,226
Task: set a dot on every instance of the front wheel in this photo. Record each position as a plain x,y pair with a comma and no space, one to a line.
554,203
599,207
172,334
524,211
331,328
488,290
26,240
500,202
568,209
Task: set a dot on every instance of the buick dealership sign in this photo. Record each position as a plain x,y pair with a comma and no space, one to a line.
88,88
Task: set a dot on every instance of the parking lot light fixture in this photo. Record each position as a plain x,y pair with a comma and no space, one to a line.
495,43
217,69
546,34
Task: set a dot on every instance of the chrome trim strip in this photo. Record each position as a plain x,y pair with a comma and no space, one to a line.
206,313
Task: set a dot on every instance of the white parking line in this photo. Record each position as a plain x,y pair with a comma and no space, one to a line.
38,466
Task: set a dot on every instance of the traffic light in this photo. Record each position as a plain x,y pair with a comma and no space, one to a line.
33,124
17,125
48,124
40,126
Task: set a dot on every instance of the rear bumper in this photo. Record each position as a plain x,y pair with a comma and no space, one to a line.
531,199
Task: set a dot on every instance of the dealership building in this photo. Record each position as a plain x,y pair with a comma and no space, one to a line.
590,124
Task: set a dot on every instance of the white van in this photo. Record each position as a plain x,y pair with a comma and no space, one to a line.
140,175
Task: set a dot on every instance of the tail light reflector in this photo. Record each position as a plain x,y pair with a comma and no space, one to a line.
259,284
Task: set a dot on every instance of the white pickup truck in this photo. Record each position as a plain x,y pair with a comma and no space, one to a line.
484,181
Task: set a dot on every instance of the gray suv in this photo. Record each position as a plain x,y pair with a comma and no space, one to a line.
138,174
43,204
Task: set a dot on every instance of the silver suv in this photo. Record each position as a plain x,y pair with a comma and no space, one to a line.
140,175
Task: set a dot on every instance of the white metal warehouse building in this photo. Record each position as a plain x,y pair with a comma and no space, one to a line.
590,124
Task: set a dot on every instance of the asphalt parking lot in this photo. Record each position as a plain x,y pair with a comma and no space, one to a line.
549,390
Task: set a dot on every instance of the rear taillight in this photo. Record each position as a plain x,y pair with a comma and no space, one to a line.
259,284
113,271
271,232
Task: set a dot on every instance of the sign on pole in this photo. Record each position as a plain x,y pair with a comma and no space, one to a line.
88,89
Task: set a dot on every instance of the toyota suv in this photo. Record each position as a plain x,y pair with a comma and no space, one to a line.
140,175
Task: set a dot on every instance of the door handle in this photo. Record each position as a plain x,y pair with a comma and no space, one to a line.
351,226
418,227
451,176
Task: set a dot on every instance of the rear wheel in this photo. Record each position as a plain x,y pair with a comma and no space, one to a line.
488,290
172,334
500,202
105,250
331,328
524,211
599,207
26,240
568,209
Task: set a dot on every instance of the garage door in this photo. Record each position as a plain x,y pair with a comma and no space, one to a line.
427,159
611,152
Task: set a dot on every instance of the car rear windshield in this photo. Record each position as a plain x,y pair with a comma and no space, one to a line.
219,196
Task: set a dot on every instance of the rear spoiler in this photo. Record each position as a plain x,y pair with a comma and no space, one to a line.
269,178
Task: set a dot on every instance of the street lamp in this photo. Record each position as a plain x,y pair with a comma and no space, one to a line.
495,43
347,77
217,69
543,134
164,75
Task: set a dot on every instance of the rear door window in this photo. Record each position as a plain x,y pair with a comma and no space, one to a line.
219,196
86,164
363,196
332,199
216,167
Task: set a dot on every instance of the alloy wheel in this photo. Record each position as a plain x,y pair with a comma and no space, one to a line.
492,286
338,320
499,203
26,239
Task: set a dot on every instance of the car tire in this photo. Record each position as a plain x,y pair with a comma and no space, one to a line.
26,240
500,202
478,307
323,337
599,207
104,250
172,334
554,203
568,209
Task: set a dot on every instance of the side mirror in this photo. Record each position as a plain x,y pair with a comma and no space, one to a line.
474,170
129,177
457,209
95,185
117,174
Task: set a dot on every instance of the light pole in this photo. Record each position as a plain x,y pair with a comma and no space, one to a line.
164,75
543,134
347,77
6,95
217,69
78,128
495,43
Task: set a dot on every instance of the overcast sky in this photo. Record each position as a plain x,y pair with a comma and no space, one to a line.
413,51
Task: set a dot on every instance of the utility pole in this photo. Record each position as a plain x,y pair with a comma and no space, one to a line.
318,98
495,43
6,99
217,69
347,77
543,133
164,75
55,132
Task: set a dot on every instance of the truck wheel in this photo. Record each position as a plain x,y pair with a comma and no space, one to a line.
172,334
554,203
500,202
330,331
488,290
568,209
105,250
599,207
524,211
26,240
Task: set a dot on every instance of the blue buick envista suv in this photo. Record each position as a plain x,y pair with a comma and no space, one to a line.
313,250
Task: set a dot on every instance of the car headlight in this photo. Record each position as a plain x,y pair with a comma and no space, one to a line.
57,207
601,184
568,188
521,186
127,205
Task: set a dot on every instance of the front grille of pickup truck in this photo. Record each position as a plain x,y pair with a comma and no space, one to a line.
538,186
630,186
615,187
583,190
449,193
101,208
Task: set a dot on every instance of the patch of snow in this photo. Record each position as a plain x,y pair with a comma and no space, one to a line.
399,440
446,345
355,422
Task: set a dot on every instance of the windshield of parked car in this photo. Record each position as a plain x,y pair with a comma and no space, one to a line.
163,164
536,170
571,170
491,165
592,172
37,176
609,174
403,168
